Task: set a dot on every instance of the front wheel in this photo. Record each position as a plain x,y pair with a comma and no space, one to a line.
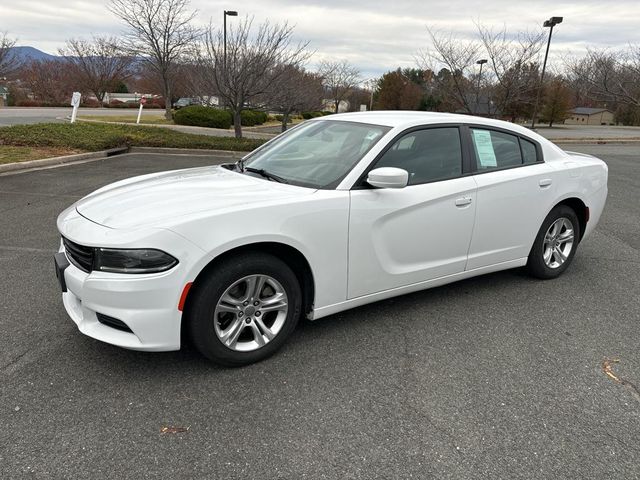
244,310
555,244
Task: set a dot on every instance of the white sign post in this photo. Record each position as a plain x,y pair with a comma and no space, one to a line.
142,102
75,103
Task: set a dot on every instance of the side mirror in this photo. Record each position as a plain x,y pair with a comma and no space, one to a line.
388,177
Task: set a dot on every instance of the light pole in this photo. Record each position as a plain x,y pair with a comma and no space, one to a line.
371,83
552,22
230,13
479,62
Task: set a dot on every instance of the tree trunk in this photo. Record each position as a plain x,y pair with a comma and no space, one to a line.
337,105
168,113
237,124
285,120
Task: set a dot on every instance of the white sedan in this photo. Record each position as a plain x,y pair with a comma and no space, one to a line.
337,212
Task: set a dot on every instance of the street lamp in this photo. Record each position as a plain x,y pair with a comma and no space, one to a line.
371,84
552,22
230,13
480,62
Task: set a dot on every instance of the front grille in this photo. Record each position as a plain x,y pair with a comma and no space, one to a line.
79,255
113,322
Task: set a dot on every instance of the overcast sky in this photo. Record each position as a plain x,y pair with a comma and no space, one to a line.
375,35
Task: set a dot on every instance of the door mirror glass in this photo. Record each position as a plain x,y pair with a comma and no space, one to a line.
388,177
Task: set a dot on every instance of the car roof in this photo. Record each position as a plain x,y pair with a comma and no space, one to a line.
409,118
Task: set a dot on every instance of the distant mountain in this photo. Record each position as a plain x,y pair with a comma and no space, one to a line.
25,54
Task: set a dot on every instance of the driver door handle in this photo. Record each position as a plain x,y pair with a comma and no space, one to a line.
462,201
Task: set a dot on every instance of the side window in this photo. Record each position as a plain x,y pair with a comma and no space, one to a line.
495,149
529,153
428,155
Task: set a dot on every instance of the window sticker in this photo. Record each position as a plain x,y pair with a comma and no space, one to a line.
484,148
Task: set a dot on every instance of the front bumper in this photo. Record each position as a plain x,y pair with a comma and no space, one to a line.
147,306
146,303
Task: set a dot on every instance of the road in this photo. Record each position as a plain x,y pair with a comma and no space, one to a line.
28,115
17,116
22,115
495,377
581,132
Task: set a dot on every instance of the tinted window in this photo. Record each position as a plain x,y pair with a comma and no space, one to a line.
495,149
528,151
428,155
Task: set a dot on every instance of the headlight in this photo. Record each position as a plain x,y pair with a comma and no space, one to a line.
132,260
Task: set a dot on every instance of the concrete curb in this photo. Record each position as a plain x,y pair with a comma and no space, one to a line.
188,151
46,162
54,161
595,141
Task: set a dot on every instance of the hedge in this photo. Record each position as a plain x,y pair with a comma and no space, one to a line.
215,118
250,118
308,115
200,116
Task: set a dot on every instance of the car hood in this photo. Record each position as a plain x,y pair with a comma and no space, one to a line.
161,198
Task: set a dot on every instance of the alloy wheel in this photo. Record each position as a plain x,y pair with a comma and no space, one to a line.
558,242
250,313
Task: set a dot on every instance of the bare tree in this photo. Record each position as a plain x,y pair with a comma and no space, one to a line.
8,60
49,84
160,33
254,65
609,75
297,91
339,78
100,64
513,64
458,58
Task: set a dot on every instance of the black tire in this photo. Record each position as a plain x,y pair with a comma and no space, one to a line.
207,292
536,265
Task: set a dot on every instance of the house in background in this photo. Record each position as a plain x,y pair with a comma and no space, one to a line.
127,97
330,105
589,116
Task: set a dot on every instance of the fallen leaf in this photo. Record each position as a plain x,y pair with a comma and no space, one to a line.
607,368
174,429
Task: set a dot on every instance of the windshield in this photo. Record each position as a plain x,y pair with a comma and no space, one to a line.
317,154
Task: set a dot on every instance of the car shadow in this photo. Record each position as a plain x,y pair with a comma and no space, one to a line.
366,320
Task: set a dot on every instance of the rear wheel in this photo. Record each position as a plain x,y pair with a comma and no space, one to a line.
244,310
555,244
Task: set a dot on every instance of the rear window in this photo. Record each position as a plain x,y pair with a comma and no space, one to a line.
529,153
496,150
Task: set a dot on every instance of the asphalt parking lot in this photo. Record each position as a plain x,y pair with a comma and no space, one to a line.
499,376
27,115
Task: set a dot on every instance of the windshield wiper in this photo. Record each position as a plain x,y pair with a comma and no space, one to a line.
262,172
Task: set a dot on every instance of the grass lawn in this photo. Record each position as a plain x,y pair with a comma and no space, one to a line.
91,137
153,119
10,154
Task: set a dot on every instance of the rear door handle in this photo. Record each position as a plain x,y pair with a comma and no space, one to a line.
545,182
462,201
